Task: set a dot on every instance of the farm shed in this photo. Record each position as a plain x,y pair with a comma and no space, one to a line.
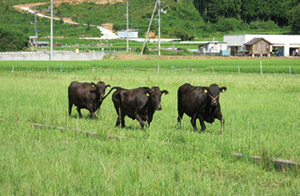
258,46
282,45
213,48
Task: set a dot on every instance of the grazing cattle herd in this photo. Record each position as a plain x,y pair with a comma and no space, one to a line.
198,102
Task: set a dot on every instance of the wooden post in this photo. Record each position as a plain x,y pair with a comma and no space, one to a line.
157,68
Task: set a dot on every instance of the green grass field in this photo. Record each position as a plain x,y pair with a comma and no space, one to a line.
261,113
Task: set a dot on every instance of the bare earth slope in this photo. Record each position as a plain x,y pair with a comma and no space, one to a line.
107,33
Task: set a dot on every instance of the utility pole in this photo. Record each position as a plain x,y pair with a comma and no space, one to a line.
51,32
158,27
127,25
35,30
149,28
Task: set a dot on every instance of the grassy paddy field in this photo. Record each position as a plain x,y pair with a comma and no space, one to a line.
261,112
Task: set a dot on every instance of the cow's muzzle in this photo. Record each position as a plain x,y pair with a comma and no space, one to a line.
159,107
214,100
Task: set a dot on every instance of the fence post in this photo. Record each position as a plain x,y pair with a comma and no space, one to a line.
261,71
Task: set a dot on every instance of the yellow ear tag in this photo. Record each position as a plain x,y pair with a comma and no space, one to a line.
147,94
108,88
93,85
164,94
205,90
223,90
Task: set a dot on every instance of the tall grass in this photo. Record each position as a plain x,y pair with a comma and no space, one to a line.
261,119
203,65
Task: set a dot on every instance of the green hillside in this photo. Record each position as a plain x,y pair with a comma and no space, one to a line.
185,19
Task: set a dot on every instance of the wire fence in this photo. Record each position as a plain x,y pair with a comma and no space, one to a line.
157,69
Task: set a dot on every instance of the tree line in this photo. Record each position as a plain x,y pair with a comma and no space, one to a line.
282,12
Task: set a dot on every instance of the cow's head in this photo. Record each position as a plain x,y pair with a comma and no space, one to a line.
155,96
213,93
99,89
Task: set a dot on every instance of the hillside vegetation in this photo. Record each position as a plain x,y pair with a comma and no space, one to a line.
186,19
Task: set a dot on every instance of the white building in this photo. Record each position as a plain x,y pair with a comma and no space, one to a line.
282,45
132,33
213,48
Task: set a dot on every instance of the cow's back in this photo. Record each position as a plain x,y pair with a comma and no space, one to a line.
78,92
190,99
130,101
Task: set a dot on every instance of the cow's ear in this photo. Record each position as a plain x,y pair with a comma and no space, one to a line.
93,85
107,87
223,89
148,93
205,90
164,92
93,90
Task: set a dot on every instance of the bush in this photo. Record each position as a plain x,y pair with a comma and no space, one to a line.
12,40
229,24
267,25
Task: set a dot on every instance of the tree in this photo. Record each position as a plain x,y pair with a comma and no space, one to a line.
12,40
223,9
294,18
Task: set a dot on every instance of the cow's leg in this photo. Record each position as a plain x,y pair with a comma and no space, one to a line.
118,121
79,112
201,120
92,114
220,118
90,108
70,107
122,120
139,118
118,110
193,122
150,117
180,115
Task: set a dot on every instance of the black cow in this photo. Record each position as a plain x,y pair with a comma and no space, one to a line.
200,103
139,103
86,95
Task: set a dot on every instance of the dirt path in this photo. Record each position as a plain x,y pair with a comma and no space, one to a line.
107,33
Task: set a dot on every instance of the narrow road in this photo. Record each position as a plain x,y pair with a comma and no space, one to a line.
106,33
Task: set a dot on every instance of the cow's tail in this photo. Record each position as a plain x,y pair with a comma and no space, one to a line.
179,106
179,97
113,88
